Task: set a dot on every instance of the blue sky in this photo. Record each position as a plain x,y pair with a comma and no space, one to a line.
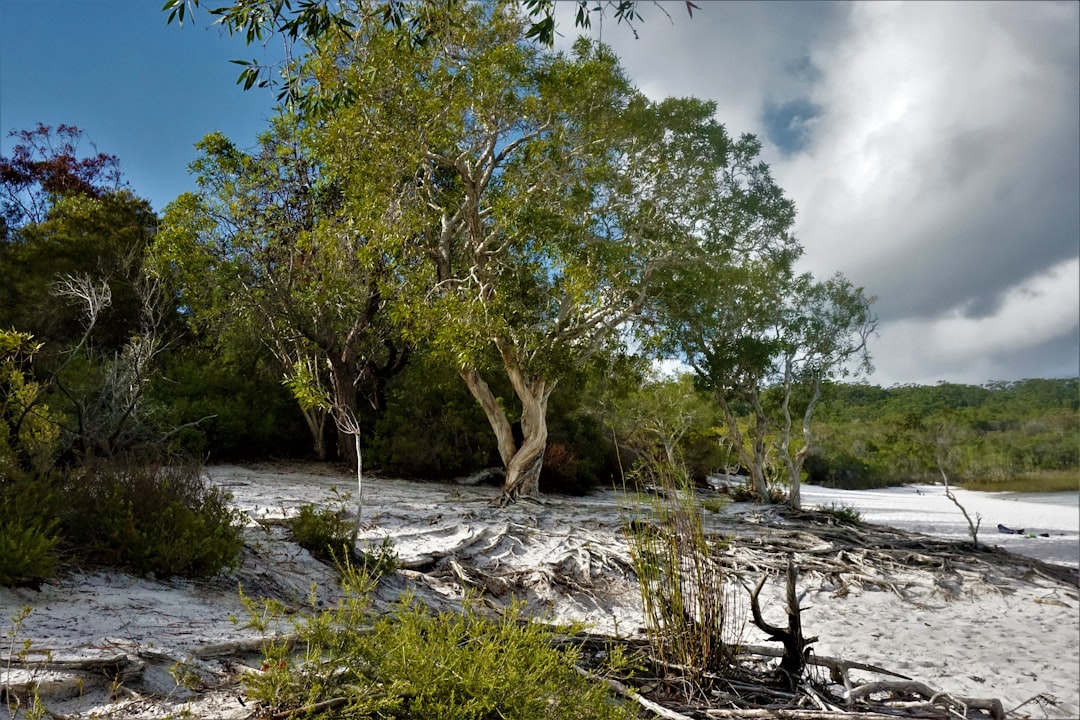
932,148
140,89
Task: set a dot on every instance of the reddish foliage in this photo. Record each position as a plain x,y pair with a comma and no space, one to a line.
45,165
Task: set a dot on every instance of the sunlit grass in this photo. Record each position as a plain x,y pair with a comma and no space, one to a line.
1047,481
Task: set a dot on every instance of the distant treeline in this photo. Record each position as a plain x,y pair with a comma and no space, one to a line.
867,436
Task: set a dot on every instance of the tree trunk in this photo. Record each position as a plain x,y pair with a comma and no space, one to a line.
343,376
752,461
523,472
316,423
523,464
795,462
504,432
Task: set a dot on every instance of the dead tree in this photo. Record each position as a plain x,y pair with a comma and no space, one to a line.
796,646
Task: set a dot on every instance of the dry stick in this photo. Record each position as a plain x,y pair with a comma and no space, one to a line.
973,527
993,706
624,691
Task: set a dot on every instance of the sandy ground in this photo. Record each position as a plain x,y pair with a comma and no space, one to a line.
962,629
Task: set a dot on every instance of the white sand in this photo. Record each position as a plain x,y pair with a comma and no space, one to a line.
984,637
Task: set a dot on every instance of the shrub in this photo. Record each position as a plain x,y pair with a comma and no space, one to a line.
26,551
329,534
843,513
162,521
28,531
412,664
324,532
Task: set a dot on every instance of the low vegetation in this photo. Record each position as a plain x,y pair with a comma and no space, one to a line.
412,663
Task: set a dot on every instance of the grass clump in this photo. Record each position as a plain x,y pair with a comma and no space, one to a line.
842,513
688,608
413,664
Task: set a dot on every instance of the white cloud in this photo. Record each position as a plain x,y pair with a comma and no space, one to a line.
939,166
960,348
946,130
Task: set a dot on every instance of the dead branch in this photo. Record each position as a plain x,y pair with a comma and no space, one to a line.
960,705
795,644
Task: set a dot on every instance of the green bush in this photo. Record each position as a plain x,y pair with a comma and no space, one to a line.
162,521
27,551
415,665
843,513
327,533
28,530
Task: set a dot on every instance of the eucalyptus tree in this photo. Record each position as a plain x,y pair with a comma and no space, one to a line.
826,327
758,328
308,22
262,249
532,201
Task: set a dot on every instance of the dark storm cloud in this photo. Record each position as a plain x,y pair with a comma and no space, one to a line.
932,150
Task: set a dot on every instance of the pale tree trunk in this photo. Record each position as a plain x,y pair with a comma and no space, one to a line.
523,464
753,461
504,432
316,423
795,462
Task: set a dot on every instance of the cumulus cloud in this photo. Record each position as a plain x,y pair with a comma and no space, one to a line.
932,151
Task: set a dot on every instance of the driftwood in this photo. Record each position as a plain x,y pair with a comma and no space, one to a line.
795,644
955,705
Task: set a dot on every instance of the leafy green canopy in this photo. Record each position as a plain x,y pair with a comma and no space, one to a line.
529,202
309,21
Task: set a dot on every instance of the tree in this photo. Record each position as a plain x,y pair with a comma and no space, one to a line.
826,329
310,21
520,192
656,418
262,250
761,327
66,213
45,165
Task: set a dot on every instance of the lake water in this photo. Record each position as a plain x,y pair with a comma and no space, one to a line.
925,509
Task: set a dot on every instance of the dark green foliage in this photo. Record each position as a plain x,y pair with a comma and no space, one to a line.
154,520
579,455
102,237
871,437
28,530
432,428
415,665
237,403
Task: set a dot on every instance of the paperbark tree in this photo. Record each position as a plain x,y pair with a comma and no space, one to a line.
760,327
824,338
532,200
262,249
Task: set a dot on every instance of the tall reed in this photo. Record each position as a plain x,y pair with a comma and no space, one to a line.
685,601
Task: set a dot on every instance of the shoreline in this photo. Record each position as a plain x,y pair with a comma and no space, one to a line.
922,607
